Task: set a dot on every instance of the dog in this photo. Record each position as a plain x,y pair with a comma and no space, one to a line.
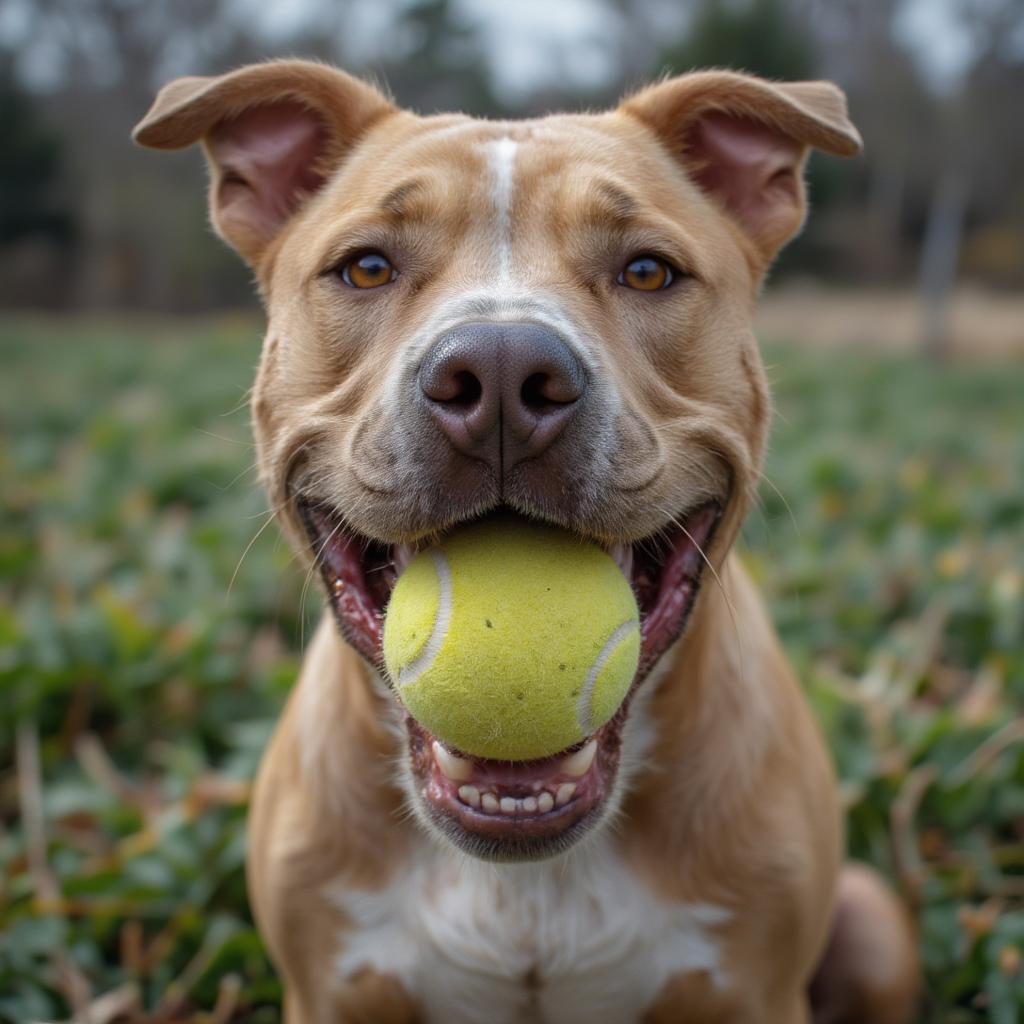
551,318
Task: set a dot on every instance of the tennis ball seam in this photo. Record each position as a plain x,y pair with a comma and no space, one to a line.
584,707
408,674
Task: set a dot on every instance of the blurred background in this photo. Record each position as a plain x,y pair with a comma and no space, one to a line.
150,626
935,207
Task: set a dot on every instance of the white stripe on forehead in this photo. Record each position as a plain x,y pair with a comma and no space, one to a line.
501,155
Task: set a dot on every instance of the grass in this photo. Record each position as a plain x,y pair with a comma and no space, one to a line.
143,658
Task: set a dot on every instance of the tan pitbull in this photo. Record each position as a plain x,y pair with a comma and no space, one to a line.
550,317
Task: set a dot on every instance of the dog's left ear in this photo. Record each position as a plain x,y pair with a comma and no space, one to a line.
745,141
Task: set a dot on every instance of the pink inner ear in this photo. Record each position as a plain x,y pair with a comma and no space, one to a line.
753,170
267,157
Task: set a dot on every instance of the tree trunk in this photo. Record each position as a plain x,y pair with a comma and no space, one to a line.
940,255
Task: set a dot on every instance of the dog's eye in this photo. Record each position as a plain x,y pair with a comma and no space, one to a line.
370,270
646,274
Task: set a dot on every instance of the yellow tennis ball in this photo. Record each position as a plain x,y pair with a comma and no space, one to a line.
512,639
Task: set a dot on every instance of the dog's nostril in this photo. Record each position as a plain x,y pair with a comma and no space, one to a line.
460,390
541,392
466,390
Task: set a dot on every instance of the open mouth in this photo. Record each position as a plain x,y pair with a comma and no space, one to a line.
499,809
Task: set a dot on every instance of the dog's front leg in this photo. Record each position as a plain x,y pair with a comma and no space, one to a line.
694,1000
326,819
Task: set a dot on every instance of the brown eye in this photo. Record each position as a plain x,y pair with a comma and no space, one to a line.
646,274
370,270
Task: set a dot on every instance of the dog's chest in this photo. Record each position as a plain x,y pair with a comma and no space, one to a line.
577,939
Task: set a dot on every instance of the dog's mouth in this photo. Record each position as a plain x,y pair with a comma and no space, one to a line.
514,810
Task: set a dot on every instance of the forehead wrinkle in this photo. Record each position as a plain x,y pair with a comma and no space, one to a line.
396,201
607,201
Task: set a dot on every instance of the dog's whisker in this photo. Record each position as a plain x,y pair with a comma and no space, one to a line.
309,576
242,402
271,516
234,480
239,441
785,501
721,586
302,606
273,511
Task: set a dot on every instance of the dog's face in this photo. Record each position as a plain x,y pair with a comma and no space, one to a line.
547,316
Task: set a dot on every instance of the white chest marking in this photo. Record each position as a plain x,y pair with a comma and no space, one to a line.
573,940
501,155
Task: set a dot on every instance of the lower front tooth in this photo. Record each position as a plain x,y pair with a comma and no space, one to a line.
545,802
470,795
508,805
490,803
564,793
530,805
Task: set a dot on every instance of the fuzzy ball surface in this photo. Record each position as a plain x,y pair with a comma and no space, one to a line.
512,639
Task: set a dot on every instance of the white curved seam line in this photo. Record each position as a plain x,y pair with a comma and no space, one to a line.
583,715
442,620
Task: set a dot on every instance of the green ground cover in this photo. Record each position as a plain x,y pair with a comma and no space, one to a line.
143,658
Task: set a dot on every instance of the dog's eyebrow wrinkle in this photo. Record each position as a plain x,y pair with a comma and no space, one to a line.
395,201
614,201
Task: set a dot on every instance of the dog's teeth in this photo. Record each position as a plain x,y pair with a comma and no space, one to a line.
622,554
530,805
545,802
490,803
579,763
565,792
401,556
470,795
455,768
508,805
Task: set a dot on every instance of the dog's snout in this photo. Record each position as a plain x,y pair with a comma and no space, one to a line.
502,390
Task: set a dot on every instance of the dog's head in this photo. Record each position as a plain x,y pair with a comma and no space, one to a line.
549,316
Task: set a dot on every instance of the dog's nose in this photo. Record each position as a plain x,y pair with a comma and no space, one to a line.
502,391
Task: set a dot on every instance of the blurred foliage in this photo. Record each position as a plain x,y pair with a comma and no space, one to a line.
146,647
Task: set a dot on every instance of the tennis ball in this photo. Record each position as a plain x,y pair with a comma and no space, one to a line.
512,639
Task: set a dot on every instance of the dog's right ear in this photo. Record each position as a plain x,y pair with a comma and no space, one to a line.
745,140
273,133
